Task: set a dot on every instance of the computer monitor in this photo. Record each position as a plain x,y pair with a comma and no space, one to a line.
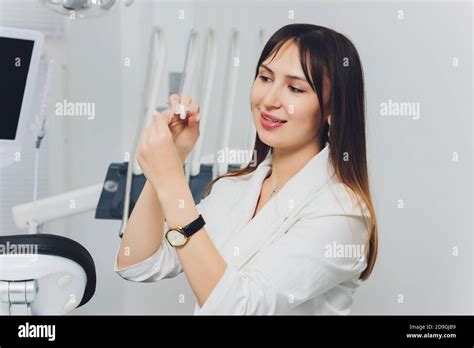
20,54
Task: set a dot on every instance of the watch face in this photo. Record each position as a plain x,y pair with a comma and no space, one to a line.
176,238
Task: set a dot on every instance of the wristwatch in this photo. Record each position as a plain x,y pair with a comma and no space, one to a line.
179,236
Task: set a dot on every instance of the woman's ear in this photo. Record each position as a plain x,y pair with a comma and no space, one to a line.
329,120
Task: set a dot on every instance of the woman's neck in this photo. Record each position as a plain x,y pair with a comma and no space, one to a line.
286,163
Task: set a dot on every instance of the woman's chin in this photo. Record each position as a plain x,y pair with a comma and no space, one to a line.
268,139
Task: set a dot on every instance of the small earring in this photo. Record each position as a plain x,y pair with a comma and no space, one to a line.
329,134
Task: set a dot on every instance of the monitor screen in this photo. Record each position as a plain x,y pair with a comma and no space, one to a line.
15,57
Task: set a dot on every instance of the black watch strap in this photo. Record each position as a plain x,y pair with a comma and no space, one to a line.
194,226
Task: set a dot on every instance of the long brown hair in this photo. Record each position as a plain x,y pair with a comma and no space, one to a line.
333,54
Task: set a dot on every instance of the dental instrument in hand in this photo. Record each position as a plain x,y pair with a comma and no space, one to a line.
180,109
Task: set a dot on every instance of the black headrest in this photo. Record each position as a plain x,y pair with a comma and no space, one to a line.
51,244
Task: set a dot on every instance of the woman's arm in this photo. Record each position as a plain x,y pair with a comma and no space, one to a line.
160,160
144,231
202,263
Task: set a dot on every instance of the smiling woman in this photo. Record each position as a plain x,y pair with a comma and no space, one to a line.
289,235
308,79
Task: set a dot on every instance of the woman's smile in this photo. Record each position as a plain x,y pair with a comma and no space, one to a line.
270,122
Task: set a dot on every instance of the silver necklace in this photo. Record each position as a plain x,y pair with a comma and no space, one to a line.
274,189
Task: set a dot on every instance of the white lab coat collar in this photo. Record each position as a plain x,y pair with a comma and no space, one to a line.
287,202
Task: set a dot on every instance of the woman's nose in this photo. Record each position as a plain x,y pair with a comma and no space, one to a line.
272,98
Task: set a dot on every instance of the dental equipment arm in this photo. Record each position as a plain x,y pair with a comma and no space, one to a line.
210,72
57,207
230,85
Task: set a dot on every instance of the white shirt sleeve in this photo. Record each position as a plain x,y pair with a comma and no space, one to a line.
164,263
301,265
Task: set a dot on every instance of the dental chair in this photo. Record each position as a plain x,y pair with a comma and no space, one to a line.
44,274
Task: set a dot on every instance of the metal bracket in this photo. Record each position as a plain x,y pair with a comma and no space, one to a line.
19,295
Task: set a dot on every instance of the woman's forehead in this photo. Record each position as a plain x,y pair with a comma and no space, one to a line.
286,61
288,53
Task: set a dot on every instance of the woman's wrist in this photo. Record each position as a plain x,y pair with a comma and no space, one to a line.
183,154
170,186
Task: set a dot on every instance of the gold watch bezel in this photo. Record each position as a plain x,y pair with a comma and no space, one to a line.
180,230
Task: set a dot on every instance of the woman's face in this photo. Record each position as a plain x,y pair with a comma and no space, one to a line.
281,90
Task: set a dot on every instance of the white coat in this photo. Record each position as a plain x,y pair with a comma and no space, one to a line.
287,259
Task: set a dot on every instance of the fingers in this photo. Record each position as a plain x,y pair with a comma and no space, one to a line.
144,140
194,107
186,100
173,100
160,123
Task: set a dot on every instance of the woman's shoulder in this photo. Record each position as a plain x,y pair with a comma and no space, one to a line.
337,198
337,207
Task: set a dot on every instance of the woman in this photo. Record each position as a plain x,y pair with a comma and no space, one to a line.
293,235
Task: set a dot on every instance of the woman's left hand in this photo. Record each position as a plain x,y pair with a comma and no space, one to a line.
157,154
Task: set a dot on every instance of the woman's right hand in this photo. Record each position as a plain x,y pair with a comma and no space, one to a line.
185,132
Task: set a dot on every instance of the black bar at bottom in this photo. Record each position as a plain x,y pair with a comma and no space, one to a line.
140,330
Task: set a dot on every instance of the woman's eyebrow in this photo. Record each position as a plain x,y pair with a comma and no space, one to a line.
287,76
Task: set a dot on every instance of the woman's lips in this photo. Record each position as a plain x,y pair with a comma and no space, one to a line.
269,125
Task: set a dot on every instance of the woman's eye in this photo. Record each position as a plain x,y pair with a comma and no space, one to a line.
296,90
293,89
